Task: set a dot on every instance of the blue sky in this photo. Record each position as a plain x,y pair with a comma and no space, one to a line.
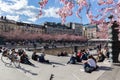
27,10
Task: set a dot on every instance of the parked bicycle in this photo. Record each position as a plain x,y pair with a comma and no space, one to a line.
10,59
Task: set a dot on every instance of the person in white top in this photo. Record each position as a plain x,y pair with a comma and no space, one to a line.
90,65
105,51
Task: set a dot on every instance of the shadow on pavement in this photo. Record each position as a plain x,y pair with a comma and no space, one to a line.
9,65
20,68
79,63
57,63
105,68
27,71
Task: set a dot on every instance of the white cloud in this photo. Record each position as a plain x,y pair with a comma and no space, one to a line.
33,19
16,18
12,5
20,10
11,8
28,13
51,12
118,1
27,21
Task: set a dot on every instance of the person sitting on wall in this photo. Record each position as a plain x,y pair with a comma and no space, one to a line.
60,54
63,54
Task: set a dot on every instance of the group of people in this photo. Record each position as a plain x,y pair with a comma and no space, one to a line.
13,54
62,53
40,58
84,56
89,61
102,54
23,56
79,56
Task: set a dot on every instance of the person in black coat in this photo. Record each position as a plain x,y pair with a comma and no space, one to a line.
42,58
25,60
35,56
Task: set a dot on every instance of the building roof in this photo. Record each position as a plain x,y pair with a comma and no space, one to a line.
5,20
90,25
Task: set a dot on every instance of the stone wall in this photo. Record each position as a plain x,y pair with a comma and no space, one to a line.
55,51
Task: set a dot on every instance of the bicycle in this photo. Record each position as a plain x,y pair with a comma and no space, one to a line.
8,59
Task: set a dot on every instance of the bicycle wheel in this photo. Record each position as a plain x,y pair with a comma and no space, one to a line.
16,64
5,59
16,61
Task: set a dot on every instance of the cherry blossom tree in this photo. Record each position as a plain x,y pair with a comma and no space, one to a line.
21,35
98,15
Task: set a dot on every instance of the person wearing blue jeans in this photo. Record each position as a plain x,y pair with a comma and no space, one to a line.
90,65
72,60
42,58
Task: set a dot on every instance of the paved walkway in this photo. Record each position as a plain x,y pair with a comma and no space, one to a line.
113,74
61,71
